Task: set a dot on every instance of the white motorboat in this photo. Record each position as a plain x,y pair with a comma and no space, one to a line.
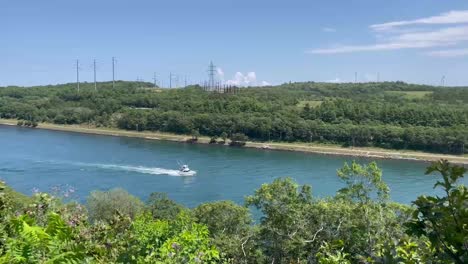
184,168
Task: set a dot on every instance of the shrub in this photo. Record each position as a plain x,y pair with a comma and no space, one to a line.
161,207
238,139
104,205
213,140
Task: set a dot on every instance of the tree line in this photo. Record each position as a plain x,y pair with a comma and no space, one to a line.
369,114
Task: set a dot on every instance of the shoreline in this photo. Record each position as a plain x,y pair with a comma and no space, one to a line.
296,147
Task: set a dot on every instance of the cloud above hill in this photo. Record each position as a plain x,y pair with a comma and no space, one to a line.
241,79
447,30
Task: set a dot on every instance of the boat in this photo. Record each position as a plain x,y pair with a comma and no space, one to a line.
184,168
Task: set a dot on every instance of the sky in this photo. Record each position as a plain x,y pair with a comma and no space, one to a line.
250,42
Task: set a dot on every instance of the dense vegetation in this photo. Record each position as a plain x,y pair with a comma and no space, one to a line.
388,115
358,225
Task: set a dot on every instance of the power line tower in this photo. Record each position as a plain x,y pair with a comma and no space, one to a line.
211,75
94,68
113,72
154,79
442,81
355,77
378,77
78,75
170,80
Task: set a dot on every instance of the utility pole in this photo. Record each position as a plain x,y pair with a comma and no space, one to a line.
154,79
94,67
78,75
113,72
185,80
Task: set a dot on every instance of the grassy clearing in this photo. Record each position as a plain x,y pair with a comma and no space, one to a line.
411,94
312,103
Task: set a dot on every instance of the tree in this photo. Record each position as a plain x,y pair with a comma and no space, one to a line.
362,181
443,220
104,205
238,139
229,225
224,136
284,225
161,207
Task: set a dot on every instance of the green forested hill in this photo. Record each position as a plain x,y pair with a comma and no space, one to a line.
390,115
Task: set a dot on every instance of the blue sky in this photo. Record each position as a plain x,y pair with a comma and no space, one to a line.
251,42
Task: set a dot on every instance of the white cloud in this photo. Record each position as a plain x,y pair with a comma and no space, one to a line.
336,80
220,73
449,53
242,80
394,36
249,79
443,37
452,17
328,29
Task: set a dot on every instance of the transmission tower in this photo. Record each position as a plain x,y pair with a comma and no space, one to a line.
211,75
113,72
170,80
94,68
442,81
78,75
155,79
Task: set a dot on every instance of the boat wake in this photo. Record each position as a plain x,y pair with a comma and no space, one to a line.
139,169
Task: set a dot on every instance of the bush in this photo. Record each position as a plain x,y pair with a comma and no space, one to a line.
213,140
104,205
161,207
238,139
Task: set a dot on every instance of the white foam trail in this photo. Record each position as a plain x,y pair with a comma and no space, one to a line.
140,169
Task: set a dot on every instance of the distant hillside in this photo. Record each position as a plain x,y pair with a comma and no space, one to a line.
390,114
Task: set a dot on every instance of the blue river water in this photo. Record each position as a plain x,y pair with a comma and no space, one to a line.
41,159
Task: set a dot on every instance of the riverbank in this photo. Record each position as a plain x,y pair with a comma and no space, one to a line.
300,147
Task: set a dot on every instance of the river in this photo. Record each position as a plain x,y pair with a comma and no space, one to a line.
42,159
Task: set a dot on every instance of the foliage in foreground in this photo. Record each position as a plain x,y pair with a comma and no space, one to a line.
358,225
